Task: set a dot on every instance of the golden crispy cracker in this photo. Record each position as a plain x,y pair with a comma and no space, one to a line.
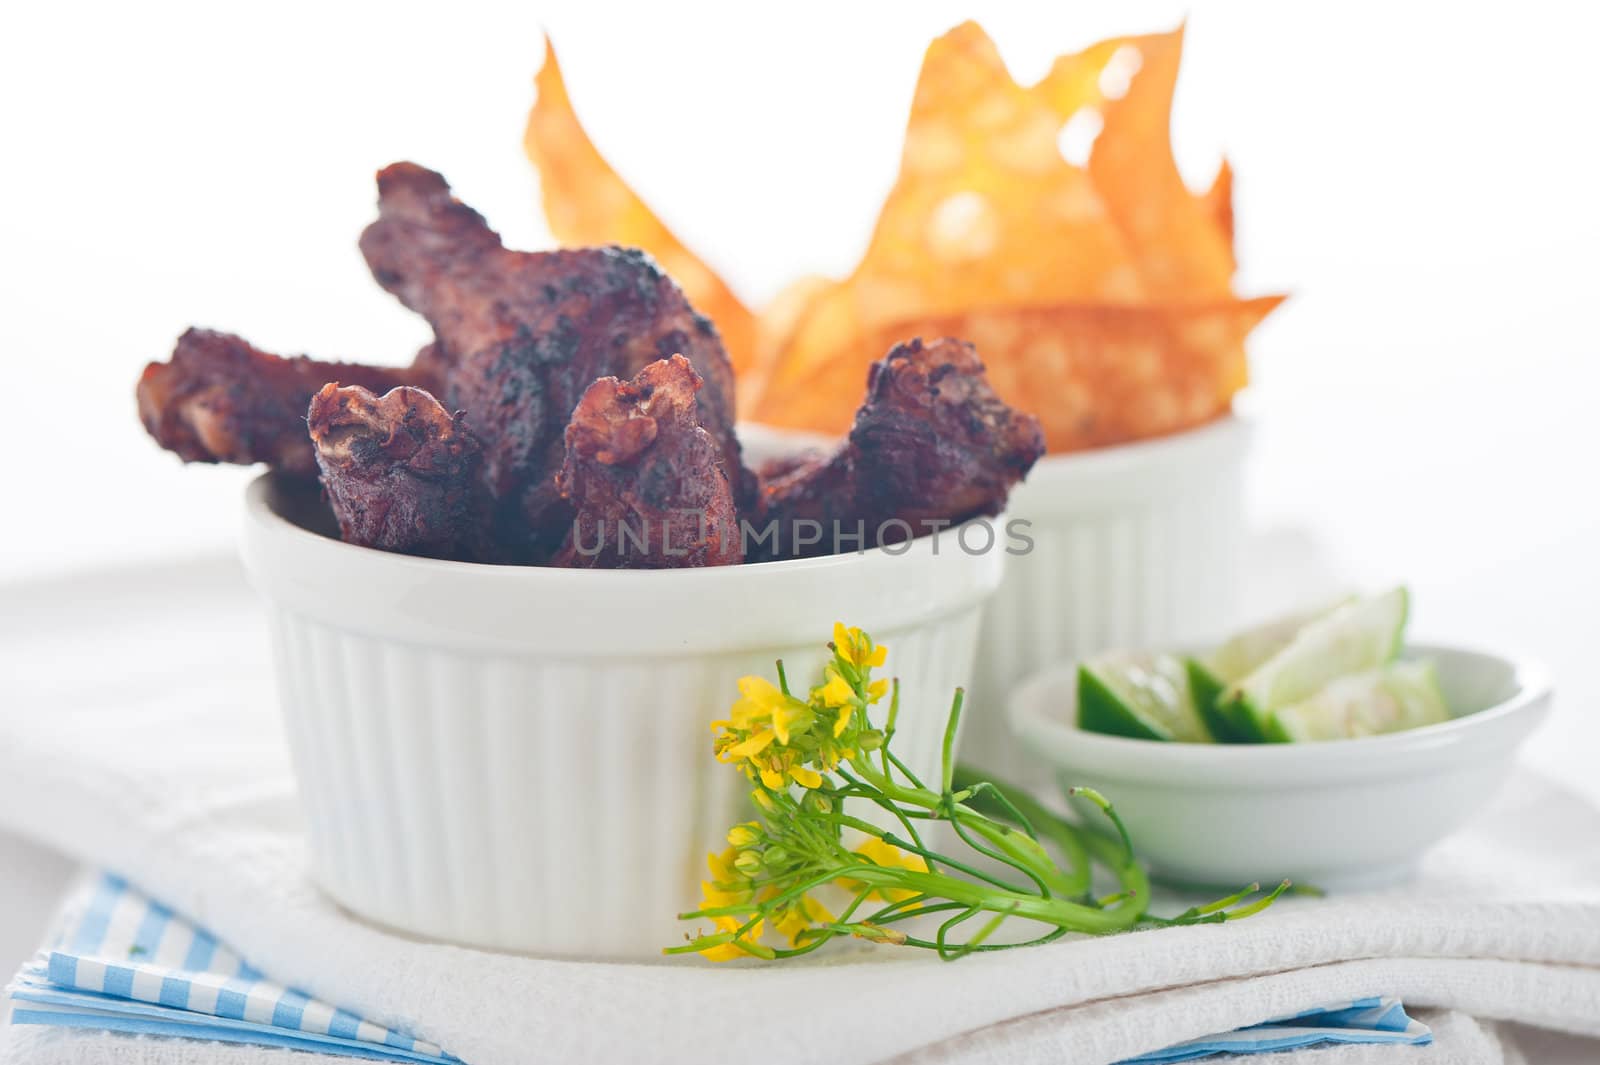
586,202
1219,202
985,212
1094,374
1098,291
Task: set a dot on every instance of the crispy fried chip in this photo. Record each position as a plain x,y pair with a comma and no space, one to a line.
1097,287
1219,204
1183,255
981,180
586,202
1094,374
990,232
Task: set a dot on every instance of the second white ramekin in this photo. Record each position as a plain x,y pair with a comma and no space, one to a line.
1137,545
519,758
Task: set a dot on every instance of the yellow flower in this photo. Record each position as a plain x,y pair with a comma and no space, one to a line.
744,835
856,647
843,723
882,852
779,768
837,692
730,951
728,886
749,747
888,856
762,703
799,916
722,868
877,690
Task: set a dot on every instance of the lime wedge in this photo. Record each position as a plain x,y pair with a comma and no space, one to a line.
1244,653
1236,659
1392,698
1206,688
1145,696
1355,638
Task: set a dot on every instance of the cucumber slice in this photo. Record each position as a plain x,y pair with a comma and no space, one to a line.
1392,698
1355,638
1144,696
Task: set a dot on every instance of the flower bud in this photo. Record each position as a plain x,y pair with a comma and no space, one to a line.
817,803
870,739
743,836
879,934
748,862
775,857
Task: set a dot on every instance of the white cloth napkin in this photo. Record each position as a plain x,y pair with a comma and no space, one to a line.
121,961
182,785
138,732
1458,1040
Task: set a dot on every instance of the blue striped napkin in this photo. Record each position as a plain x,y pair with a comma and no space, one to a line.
1364,1020
123,962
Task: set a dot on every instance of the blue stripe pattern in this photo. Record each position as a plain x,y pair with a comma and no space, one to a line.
126,963
1365,1020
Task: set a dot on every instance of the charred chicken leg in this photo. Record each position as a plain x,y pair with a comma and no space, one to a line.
644,479
932,443
522,335
400,472
221,400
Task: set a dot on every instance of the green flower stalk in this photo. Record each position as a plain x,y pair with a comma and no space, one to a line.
815,759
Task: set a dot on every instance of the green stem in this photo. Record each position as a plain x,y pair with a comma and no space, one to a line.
1260,904
916,848
1111,815
872,795
976,941
1062,913
947,753
1064,835
1021,850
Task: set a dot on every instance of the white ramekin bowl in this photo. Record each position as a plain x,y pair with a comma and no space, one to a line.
1341,814
1136,545
519,758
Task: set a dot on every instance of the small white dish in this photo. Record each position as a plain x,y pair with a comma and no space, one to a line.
1343,814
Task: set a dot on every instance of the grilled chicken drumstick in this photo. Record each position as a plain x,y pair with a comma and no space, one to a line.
400,472
931,443
221,400
522,335
644,479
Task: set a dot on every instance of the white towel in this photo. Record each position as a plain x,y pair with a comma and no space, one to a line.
121,961
137,731
181,784
1458,1040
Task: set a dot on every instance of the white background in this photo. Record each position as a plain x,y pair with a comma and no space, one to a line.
1423,182
1422,178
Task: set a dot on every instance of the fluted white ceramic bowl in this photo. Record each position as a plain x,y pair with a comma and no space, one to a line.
519,758
1133,546
1338,814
